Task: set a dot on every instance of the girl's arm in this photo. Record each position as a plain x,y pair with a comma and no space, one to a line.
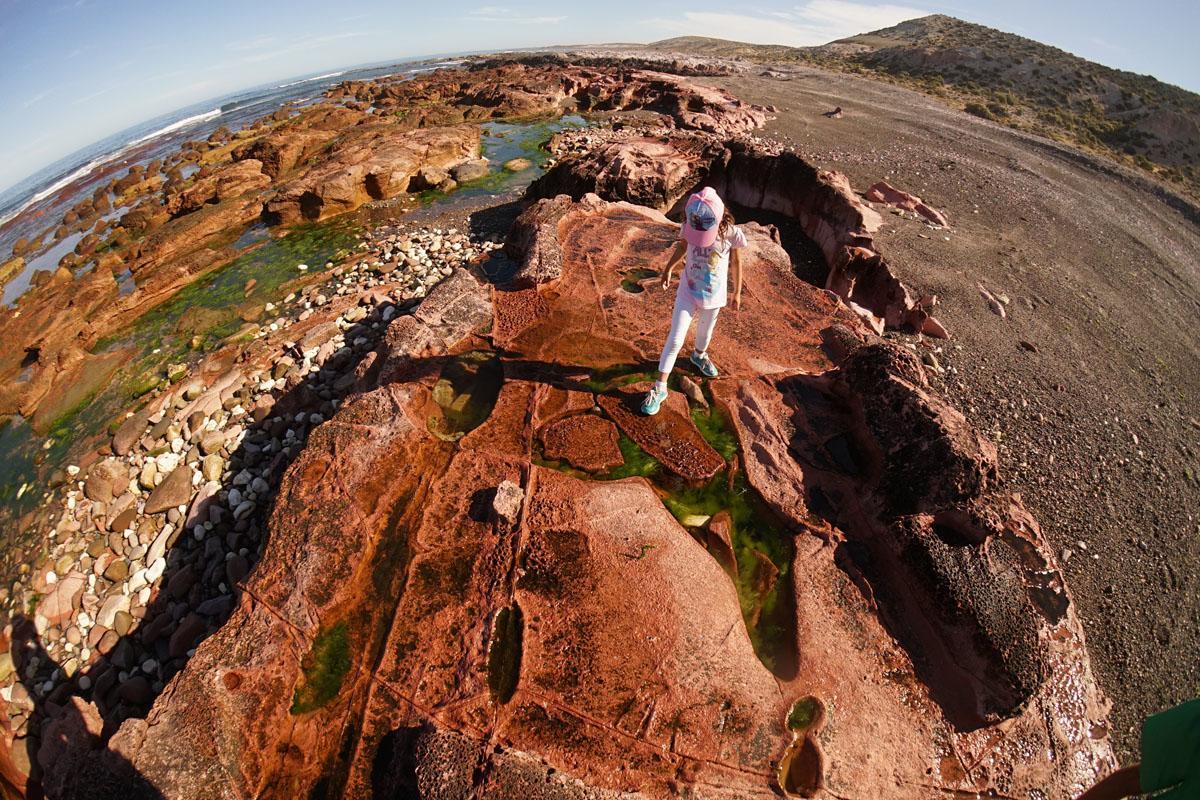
673,261
736,260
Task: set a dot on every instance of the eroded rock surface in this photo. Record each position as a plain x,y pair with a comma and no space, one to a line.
401,634
884,192
374,163
520,89
366,142
662,170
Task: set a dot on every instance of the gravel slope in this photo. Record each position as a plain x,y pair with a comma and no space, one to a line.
1099,429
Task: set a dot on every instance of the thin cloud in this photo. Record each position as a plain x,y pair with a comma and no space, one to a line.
815,22
251,44
185,89
1107,45
37,98
501,14
301,44
81,100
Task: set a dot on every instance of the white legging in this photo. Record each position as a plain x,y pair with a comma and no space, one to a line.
681,320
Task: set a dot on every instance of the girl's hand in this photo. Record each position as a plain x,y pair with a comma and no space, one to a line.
737,302
666,280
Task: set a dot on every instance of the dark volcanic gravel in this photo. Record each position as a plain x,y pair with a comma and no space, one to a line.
1097,415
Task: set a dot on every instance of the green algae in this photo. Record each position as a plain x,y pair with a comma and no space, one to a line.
632,280
803,713
501,142
19,468
154,341
753,533
641,552
604,379
466,393
504,654
324,669
715,429
271,264
638,463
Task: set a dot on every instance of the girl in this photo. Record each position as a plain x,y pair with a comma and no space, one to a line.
711,242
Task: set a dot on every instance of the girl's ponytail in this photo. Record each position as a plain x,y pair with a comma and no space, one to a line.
727,223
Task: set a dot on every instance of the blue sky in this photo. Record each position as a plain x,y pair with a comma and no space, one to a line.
74,71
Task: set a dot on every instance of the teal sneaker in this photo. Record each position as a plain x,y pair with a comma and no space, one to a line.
654,400
704,364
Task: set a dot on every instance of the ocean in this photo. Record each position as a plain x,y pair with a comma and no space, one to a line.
38,202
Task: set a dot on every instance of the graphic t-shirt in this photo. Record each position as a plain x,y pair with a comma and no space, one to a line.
706,270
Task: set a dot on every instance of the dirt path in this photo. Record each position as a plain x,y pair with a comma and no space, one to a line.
1099,429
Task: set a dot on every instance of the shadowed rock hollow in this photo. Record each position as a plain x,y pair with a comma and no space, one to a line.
816,588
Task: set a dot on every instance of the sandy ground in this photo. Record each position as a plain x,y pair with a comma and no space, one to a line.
1099,429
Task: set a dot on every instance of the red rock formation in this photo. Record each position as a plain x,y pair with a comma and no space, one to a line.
513,89
646,170
599,324
370,163
399,635
884,192
282,150
231,180
670,437
584,441
660,172
187,234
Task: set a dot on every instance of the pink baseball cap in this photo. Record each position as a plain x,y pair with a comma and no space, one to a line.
701,217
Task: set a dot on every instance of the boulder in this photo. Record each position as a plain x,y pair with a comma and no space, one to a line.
506,505
175,490
102,478
231,180
470,170
62,599
368,163
884,192
131,430
281,151
648,171
10,269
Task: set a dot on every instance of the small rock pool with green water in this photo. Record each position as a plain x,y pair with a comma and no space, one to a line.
500,143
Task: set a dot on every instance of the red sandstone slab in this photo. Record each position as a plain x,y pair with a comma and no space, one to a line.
585,317
555,403
670,436
506,431
668,693
585,441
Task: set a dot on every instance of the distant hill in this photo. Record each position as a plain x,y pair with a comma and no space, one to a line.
1132,118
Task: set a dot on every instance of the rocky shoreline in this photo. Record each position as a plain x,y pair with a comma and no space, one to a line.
154,539
349,549
460,626
366,142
